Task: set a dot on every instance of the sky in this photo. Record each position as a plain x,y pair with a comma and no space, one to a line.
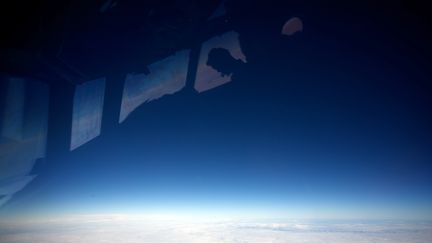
331,122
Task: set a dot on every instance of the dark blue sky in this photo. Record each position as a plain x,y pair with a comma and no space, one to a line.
333,122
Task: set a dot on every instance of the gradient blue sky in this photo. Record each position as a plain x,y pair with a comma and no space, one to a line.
333,122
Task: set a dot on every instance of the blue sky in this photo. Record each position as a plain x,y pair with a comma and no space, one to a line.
327,123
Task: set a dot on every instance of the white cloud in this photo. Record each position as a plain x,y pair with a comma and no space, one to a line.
121,228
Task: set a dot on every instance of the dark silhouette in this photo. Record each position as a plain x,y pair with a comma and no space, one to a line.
221,60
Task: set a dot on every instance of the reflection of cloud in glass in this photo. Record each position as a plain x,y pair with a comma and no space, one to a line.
23,133
17,157
167,76
11,186
292,26
87,112
207,77
13,115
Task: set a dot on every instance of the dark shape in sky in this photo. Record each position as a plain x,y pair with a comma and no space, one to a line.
207,77
167,76
219,11
107,5
87,112
221,60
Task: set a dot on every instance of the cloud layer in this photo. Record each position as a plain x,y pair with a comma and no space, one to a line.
117,228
